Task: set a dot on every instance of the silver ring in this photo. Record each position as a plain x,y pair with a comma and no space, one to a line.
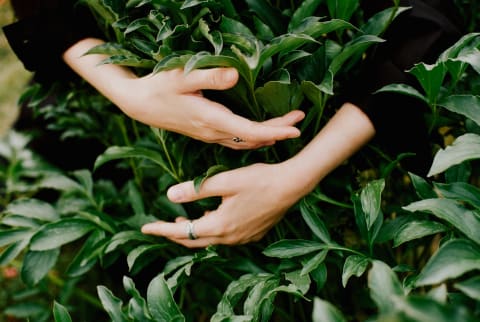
191,231
237,139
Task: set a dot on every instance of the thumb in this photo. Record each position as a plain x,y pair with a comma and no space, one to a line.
213,78
183,192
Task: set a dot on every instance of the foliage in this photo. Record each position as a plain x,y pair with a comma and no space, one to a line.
359,247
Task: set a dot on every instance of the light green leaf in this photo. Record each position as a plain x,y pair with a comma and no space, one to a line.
464,148
292,248
463,219
314,262
354,265
441,267
160,301
33,208
416,229
385,288
111,304
311,215
461,191
371,198
56,234
324,311
466,105
60,313
404,90
470,287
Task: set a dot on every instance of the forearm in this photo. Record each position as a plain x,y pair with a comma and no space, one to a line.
347,131
108,79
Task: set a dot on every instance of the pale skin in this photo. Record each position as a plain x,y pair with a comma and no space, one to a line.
247,210
173,101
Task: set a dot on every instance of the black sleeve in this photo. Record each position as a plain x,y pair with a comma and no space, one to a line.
44,31
420,34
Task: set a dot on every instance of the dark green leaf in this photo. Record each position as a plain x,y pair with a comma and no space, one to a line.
470,287
292,248
111,304
36,265
60,313
415,229
213,170
466,105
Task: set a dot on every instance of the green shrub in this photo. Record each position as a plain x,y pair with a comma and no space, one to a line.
363,246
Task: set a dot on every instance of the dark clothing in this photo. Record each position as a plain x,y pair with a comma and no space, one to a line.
417,35
44,31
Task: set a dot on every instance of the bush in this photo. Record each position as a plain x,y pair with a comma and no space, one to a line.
370,243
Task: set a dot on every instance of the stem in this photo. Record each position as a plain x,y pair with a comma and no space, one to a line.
173,170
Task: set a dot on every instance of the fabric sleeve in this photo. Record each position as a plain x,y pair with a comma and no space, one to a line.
420,34
44,31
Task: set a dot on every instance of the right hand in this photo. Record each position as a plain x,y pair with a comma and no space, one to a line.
173,101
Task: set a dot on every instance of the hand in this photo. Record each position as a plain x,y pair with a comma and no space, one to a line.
254,199
172,100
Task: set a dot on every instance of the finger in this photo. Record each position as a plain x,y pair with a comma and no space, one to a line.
213,78
186,192
290,118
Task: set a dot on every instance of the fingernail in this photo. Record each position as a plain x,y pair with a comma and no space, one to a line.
175,194
230,75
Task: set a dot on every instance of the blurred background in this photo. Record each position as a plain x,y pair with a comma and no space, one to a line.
13,77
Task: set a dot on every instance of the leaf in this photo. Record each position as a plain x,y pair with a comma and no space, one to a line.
403,89
109,48
60,313
306,9
416,229
457,47
342,9
160,301
137,306
88,255
56,234
213,170
354,265
311,215
32,208
214,37
460,191
323,311
464,148
111,304
466,105
314,262
371,197
127,236
11,236
423,189
141,251
441,267
292,248
379,22
36,265
129,61
463,219
278,98
470,287
430,78
270,15
385,288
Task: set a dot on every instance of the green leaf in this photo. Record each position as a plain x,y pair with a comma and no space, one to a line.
36,265
354,265
56,234
60,313
32,208
137,306
454,50
127,236
470,287
466,105
461,191
142,251
311,215
430,78
403,89
371,198
416,229
385,288
278,98
441,267
270,15
306,9
214,37
129,61
88,255
10,252
111,304
423,189
465,147
26,309
11,236
314,262
342,9
292,248
324,311
160,301
213,170
463,219
379,22
109,48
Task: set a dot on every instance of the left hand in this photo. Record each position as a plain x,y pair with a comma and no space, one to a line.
254,199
